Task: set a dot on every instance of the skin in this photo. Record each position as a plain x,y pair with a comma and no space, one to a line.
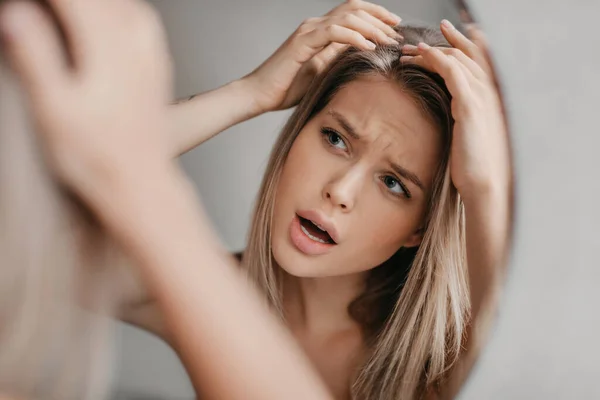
345,181
169,248
343,177
89,138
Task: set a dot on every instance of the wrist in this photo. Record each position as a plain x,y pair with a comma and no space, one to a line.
494,198
486,190
249,89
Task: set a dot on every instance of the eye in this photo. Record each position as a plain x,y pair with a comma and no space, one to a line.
395,186
333,138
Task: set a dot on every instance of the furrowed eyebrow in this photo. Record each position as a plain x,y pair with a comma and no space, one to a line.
400,170
406,174
345,124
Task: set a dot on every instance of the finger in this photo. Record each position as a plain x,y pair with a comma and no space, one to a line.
388,30
457,39
448,68
463,43
427,64
322,36
310,24
375,10
479,39
366,29
323,58
471,65
418,60
458,88
33,48
74,19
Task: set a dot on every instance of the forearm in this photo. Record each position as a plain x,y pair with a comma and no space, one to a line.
487,223
230,343
205,115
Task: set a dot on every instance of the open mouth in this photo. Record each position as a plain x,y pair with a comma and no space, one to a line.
314,231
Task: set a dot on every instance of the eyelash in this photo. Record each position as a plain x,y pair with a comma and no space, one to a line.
405,192
327,132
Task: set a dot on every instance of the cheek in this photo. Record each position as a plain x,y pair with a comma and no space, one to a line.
385,228
302,174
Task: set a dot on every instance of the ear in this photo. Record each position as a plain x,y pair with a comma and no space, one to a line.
415,239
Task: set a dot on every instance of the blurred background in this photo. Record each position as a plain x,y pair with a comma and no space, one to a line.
214,42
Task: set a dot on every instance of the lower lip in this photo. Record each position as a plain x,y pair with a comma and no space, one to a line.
305,244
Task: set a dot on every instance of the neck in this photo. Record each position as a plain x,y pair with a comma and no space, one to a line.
320,305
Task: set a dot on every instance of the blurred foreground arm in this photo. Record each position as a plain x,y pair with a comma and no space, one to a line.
102,123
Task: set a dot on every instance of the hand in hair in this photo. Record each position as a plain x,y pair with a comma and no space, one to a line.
281,81
92,132
102,122
480,159
480,168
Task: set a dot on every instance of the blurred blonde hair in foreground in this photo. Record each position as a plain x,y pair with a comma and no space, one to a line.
54,258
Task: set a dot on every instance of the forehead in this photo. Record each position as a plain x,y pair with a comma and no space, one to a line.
389,124
374,104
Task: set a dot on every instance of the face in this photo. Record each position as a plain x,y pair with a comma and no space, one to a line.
362,170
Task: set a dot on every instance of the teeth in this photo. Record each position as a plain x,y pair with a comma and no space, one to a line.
320,227
316,239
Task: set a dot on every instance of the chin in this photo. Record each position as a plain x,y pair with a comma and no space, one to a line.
290,261
299,265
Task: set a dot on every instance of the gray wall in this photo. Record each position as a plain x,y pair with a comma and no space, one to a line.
545,345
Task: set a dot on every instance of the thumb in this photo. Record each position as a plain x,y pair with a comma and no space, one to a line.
33,48
323,58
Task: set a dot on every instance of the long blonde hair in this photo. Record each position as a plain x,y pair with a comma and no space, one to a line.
416,304
54,257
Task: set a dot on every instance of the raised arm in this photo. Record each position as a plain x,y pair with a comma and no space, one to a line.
480,168
227,106
281,81
230,343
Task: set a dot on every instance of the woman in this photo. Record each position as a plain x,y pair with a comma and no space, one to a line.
406,346
382,306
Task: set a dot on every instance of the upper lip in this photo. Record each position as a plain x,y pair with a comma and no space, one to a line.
322,220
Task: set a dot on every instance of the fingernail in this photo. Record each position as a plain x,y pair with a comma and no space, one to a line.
423,46
397,17
371,45
406,58
390,40
447,24
409,47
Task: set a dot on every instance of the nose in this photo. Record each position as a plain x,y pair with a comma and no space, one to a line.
344,190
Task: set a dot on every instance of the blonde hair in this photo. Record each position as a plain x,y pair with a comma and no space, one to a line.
416,304
54,257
